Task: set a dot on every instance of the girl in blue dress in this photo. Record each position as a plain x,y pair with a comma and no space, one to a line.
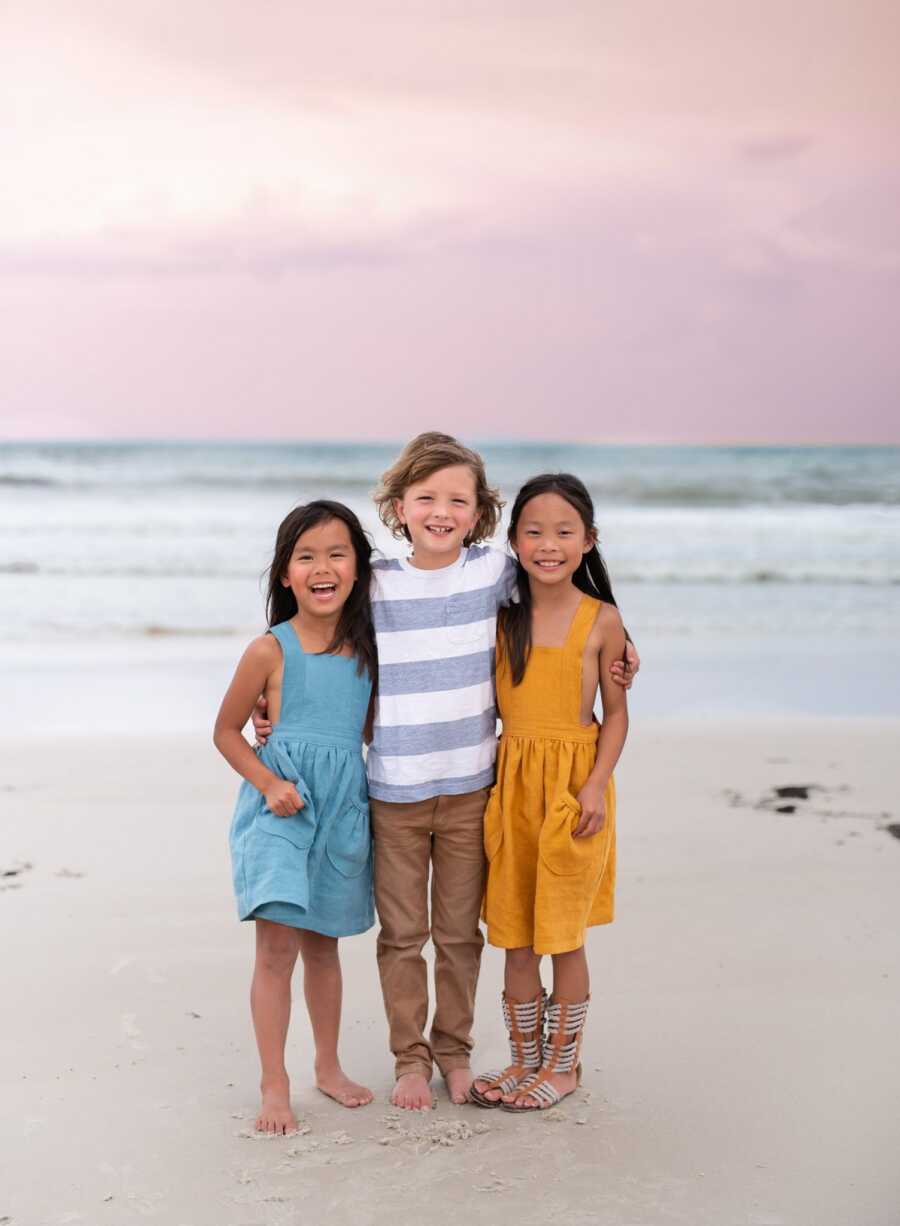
300,842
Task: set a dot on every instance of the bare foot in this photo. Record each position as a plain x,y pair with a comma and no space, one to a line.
565,1083
412,1092
275,1114
337,1085
459,1082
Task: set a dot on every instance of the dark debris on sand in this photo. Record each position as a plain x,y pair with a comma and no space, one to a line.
22,867
809,799
8,881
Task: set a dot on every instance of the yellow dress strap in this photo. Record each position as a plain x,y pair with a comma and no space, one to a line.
582,624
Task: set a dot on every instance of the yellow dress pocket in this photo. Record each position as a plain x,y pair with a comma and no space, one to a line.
493,824
560,851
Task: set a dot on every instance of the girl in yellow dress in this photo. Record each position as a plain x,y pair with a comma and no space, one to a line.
549,827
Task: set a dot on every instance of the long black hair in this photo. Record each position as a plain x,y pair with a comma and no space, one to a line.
354,628
591,577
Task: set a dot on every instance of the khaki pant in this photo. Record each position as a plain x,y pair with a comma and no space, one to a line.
446,832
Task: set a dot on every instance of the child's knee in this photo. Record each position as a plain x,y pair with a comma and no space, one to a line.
397,937
317,950
276,948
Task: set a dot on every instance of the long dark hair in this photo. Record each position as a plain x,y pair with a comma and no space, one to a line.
354,628
591,577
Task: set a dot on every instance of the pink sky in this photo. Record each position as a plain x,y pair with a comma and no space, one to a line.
638,220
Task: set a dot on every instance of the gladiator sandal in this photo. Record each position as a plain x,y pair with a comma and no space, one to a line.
562,1047
525,1022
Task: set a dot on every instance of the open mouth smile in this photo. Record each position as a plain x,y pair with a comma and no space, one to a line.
323,591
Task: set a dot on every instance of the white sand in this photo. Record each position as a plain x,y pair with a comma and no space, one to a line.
741,1063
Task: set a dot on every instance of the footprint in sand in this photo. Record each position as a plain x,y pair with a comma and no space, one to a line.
132,1032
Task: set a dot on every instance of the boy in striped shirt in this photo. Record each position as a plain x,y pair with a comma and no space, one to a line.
431,760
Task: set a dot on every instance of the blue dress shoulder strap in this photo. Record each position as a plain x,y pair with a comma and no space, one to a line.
294,675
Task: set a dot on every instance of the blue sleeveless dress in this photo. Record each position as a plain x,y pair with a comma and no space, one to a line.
312,870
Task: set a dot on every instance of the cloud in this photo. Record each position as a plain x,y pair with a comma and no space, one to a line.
775,148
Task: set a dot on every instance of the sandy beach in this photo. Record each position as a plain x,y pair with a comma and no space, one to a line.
740,1062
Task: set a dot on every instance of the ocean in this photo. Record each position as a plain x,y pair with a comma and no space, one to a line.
728,562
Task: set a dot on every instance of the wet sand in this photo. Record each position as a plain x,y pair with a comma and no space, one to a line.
740,1061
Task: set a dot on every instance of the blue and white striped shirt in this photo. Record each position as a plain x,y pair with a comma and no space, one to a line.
435,727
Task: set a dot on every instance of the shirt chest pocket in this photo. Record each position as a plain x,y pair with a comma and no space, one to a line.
467,623
469,635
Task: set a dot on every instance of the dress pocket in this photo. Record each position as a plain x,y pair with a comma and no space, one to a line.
299,828
493,824
349,842
562,853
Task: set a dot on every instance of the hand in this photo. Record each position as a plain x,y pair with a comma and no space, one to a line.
283,798
593,810
622,672
262,725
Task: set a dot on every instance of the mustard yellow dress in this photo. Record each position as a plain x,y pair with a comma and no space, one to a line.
545,887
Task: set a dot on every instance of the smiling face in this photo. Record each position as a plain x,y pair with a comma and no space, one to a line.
322,569
439,512
551,539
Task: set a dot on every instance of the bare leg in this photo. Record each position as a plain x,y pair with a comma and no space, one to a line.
270,1005
571,982
522,981
522,973
322,987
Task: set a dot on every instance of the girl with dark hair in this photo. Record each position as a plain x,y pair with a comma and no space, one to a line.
549,827
300,841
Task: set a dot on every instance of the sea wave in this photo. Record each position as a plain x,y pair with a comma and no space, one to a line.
17,480
637,476
837,576
604,490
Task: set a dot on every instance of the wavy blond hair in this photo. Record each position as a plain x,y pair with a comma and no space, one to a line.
421,457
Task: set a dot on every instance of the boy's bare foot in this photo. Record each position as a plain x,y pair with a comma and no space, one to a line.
412,1092
459,1082
275,1114
337,1085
